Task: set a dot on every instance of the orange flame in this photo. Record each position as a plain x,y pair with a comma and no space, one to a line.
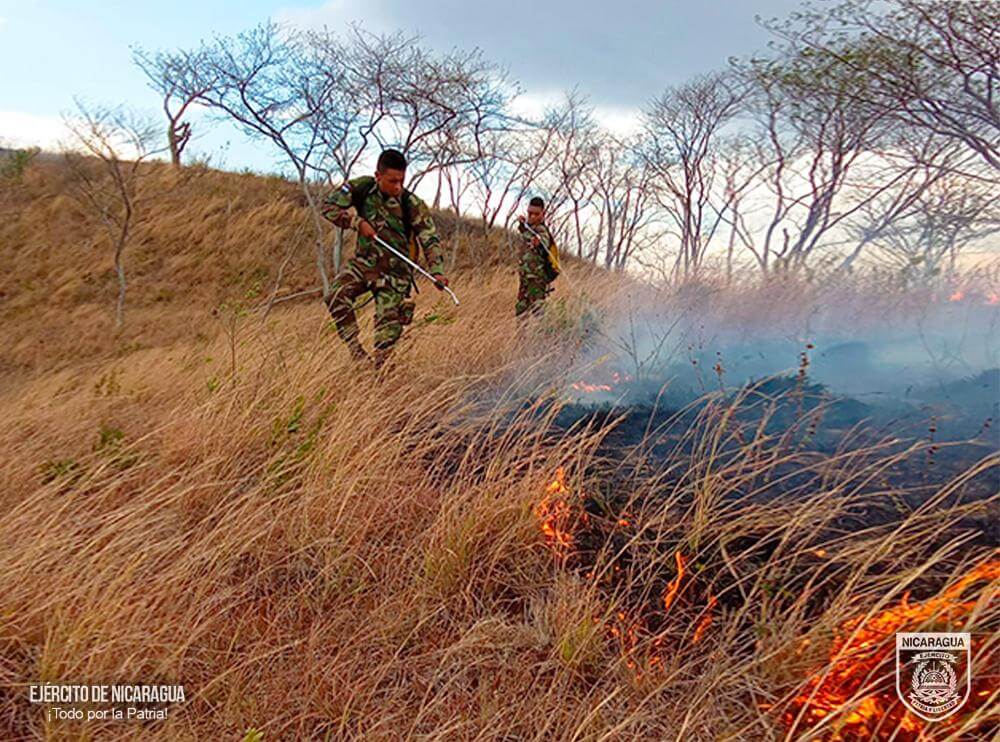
616,379
627,630
582,386
957,296
675,584
861,647
706,621
554,513
993,299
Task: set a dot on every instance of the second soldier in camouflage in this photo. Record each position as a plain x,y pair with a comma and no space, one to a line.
534,269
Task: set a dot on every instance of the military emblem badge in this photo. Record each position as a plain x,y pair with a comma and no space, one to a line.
932,673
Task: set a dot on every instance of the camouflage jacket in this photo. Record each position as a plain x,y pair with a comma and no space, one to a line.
529,239
544,252
385,214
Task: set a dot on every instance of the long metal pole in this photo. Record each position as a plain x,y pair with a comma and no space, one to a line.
528,227
405,258
537,237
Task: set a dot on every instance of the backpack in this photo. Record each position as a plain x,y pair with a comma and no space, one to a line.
552,260
550,263
359,195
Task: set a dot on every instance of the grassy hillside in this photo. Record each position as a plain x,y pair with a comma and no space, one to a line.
202,238
222,500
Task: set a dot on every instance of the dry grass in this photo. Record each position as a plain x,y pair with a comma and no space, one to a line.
319,552
202,239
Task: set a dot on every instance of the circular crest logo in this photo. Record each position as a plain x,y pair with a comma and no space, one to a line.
932,673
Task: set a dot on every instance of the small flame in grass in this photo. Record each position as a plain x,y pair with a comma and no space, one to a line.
706,620
556,519
554,513
675,585
583,386
558,485
990,299
588,388
862,649
626,631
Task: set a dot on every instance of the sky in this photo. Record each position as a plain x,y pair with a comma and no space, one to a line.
620,55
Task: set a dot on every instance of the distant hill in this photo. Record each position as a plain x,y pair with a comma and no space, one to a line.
202,237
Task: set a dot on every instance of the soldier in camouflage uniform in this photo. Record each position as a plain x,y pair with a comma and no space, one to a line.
535,273
386,209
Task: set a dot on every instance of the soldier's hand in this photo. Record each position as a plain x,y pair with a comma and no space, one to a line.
440,281
366,230
520,218
536,242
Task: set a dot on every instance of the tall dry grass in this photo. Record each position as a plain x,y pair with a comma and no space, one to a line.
201,239
320,552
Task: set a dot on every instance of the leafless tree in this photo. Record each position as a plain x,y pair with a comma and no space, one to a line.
566,175
447,108
509,167
623,200
355,69
684,128
180,78
923,161
822,158
396,92
121,141
739,171
274,87
388,89
948,216
930,64
830,141
361,72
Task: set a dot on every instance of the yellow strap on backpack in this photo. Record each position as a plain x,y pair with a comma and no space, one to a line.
553,253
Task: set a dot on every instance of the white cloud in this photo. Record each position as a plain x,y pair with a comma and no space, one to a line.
338,14
50,133
619,120
533,104
19,129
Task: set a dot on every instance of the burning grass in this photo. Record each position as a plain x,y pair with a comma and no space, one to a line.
855,696
733,537
554,514
318,552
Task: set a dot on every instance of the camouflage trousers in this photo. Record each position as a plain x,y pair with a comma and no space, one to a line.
390,290
533,286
